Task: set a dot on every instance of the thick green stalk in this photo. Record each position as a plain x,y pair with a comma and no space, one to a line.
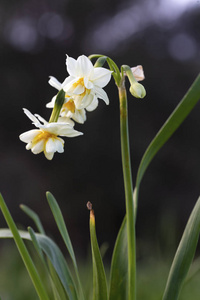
24,252
126,163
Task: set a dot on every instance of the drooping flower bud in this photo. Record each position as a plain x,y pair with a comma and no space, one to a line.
137,90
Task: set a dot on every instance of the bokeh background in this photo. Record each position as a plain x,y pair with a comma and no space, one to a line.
163,36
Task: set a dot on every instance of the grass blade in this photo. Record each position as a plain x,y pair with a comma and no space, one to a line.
184,255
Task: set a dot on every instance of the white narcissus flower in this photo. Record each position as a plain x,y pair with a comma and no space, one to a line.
46,139
69,109
85,82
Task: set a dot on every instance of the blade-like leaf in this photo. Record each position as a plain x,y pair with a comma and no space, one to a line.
57,288
119,266
64,233
34,217
56,257
39,287
61,224
184,255
99,277
174,121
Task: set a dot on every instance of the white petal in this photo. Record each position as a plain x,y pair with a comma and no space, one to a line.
31,116
78,101
52,102
50,145
79,116
59,143
87,100
100,93
41,119
39,147
79,89
69,132
93,105
101,76
71,66
68,82
28,136
67,120
84,66
138,73
88,84
49,155
28,146
55,83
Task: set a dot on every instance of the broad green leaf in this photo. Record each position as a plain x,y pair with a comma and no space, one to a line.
119,266
55,256
184,255
34,217
173,122
99,277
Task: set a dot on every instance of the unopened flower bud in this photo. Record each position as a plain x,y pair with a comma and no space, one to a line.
137,90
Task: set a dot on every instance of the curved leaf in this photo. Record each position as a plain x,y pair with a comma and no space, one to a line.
29,212
64,233
56,257
173,122
28,262
184,255
119,266
61,224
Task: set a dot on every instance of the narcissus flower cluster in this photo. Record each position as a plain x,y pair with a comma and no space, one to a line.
83,87
77,94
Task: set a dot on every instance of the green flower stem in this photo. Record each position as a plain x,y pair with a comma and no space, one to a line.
126,163
24,252
57,107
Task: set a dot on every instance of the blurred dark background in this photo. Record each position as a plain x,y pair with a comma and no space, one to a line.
163,36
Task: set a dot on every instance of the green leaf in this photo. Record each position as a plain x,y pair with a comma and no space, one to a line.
173,122
56,289
55,256
184,255
119,266
61,224
37,282
34,217
64,233
99,277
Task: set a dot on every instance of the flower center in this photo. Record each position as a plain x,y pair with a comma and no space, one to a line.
80,81
44,135
70,106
